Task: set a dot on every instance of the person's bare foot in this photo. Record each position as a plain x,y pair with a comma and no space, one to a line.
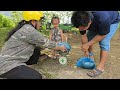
97,71
100,67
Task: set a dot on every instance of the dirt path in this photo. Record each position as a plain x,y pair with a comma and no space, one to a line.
51,69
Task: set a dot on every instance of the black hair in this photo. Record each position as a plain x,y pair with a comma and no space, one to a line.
55,17
80,18
20,24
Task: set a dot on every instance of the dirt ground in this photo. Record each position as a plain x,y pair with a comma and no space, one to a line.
52,69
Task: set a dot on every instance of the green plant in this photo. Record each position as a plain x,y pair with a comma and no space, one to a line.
65,27
45,32
3,33
6,21
16,16
74,30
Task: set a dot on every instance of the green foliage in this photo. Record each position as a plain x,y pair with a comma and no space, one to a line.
74,30
43,27
46,32
6,21
16,16
119,26
3,34
65,27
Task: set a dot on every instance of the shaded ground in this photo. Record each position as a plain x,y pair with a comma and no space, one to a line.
52,69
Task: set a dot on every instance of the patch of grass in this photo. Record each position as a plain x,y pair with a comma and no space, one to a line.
46,74
3,34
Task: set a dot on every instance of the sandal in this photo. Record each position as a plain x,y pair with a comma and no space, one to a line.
94,72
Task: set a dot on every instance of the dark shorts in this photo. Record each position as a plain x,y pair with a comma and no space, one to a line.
104,43
22,72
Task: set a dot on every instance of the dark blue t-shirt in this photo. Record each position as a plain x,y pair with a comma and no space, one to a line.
101,21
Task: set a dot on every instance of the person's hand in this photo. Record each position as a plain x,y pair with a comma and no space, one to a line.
61,48
86,54
85,47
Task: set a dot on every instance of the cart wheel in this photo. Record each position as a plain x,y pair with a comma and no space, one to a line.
62,60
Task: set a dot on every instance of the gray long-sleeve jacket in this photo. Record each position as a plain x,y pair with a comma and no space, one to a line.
20,47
